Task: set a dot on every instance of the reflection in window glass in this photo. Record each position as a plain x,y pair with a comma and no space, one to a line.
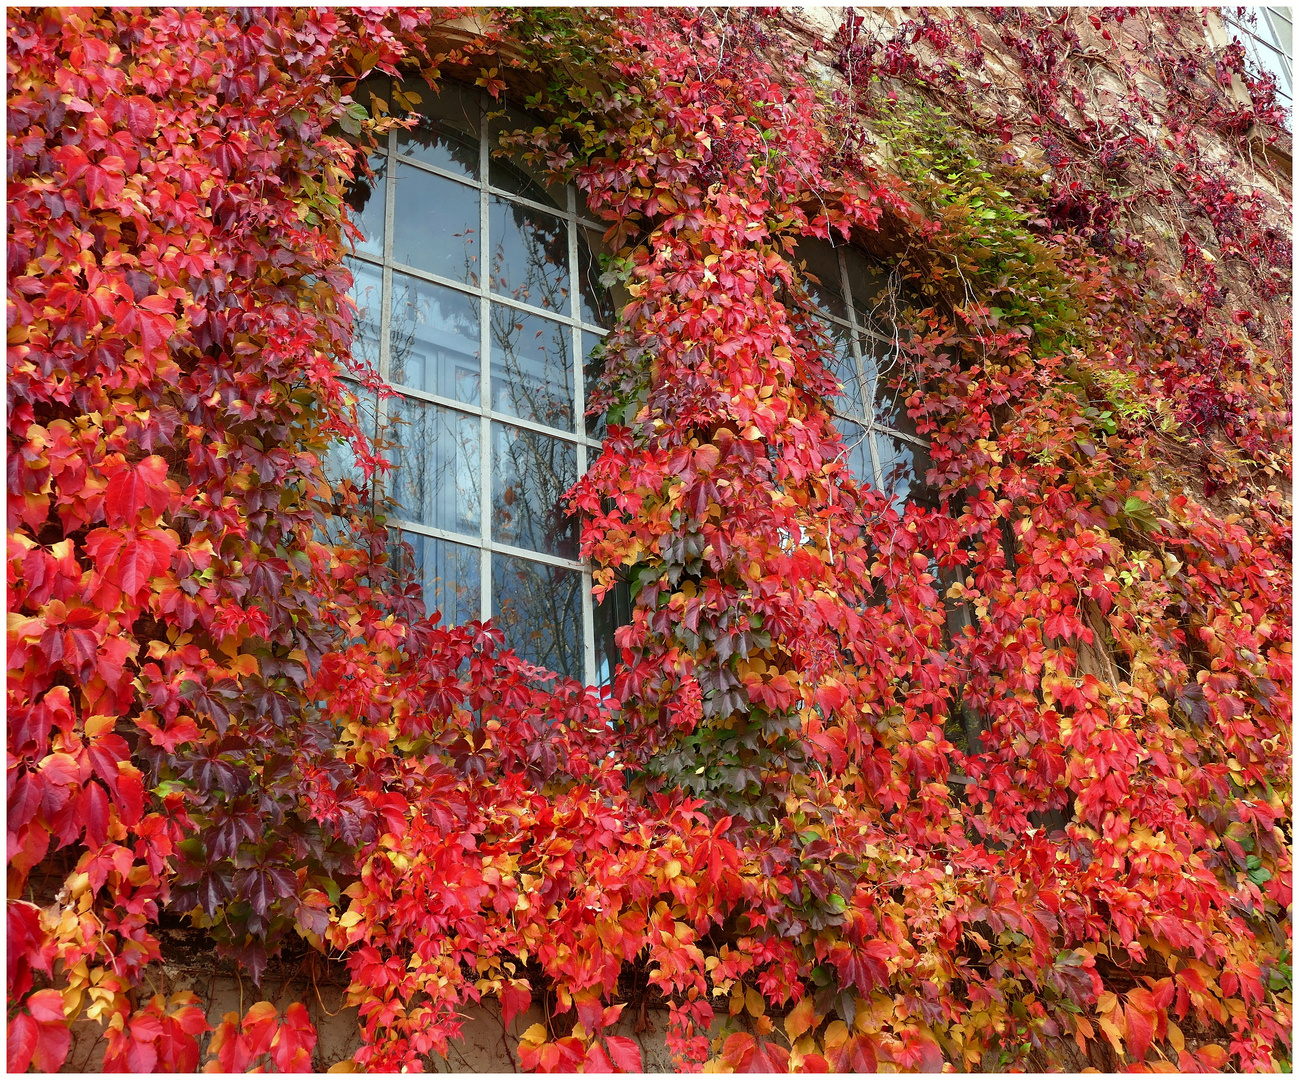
339,465
540,609
459,250
366,199
869,288
367,293
1268,37
882,446
529,255
434,144
339,461
513,175
592,369
532,373
881,369
597,303
902,470
447,571
434,339
447,135
530,473
844,368
612,612
827,291
856,441
435,464
507,175
439,225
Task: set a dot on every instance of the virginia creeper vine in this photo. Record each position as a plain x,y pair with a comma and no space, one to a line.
829,822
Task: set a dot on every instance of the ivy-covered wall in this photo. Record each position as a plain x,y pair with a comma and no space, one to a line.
998,779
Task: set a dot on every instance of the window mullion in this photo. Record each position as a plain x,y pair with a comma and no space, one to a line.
579,419
420,446
485,373
385,305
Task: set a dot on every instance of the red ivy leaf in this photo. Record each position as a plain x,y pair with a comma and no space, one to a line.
296,1038
142,1050
625,1052
141,116
94,812
737,1051
132,489
135,568
863,1056
769,1057
40,1035
597,1061
1140,1031
21,1042
516,996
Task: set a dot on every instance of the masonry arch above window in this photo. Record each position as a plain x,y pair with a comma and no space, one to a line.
478,292
854,300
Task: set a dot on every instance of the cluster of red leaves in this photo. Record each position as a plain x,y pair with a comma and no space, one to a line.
212,708
175,339
1121,154
1130,695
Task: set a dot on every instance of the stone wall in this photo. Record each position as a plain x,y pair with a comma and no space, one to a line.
487,1046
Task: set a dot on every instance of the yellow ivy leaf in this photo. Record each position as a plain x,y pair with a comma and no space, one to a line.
535,1035
800,1019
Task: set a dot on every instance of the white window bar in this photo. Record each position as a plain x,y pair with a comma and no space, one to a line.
497,426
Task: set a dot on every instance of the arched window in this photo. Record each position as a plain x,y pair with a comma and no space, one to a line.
479,297
853,299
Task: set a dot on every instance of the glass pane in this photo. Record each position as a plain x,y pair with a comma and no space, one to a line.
435,464
530,473
367,202
857,451
532,369
338,464
592,373
869,286
367,293
843,366
529,255
511,176
882,367
1270,61
439,225
597,302
540,609
339,461
448,573
508,171
612,612
1282,33
447,135
823,263
903,465
434,339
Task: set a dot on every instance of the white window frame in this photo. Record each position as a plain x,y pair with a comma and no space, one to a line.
586,448
885,349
